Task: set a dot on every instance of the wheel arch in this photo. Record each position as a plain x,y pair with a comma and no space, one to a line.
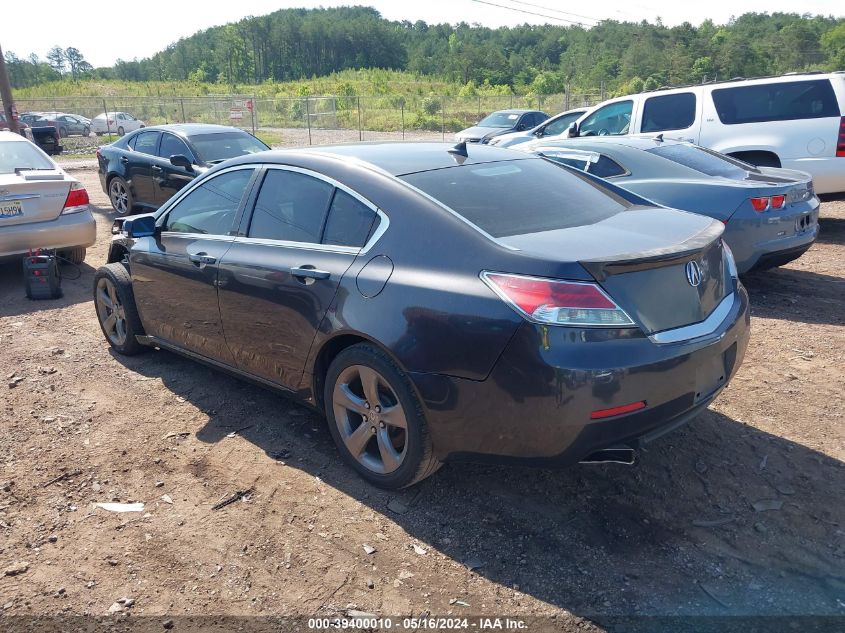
330,349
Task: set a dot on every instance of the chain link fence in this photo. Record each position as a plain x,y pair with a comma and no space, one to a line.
293,121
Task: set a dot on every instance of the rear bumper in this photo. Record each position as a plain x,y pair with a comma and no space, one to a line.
66,231
828,172
535,406
753,246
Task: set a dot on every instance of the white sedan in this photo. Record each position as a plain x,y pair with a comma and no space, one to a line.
115,123
41,206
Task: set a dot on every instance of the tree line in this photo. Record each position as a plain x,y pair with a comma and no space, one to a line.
621,57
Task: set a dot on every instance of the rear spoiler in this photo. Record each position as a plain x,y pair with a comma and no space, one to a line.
679,253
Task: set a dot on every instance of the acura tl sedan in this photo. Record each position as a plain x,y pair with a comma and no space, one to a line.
435,303
142,170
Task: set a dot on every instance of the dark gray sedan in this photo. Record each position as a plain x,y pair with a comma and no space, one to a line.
770,214
436,303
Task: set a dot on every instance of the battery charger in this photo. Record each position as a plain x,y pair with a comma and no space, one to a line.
41,275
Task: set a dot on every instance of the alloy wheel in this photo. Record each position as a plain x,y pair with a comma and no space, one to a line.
111,312
119,196
370,419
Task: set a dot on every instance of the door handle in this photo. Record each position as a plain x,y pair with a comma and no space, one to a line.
201,259
309,272
124,160
156,168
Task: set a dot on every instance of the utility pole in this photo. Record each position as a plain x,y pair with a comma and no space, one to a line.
6,96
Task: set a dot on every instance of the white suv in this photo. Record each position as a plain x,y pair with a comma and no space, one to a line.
795,121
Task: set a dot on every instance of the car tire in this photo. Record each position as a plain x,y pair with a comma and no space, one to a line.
74,255
63,132
114,301
120,131
86,131
120,196
98,133
370,437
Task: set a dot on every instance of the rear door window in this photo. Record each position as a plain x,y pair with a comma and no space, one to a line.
781,101
291,206
518,197
669,112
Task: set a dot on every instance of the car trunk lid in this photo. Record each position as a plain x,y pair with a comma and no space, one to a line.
32,196
640,258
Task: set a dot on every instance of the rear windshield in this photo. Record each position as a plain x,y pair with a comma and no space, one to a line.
704,161
518,197
782,101
21,155
500,119
213,148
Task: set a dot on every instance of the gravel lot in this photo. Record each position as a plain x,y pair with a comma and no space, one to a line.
686,531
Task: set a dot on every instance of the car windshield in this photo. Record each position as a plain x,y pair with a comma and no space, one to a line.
703,160
518,197
499,119
213,148
21,155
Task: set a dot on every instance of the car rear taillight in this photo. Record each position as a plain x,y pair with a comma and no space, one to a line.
556,302
98,154
840,142
778,202
760,204
77,199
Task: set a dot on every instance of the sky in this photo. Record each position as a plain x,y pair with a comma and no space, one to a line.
106,31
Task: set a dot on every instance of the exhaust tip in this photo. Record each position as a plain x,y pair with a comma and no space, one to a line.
615,455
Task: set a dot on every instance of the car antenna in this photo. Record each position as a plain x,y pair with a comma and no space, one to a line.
659,138
460,149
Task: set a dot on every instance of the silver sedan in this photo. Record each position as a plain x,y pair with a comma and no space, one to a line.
41,206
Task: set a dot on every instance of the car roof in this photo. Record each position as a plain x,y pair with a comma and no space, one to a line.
191,129
394,158
515,111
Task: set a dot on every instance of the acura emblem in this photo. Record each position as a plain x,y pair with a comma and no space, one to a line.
694,274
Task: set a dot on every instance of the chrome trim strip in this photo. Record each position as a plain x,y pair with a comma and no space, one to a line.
697,330
328,248
199,236
25,196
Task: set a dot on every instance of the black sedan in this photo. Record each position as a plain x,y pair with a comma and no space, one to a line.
142,170
436,303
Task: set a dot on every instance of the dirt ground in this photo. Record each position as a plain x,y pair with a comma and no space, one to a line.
739,513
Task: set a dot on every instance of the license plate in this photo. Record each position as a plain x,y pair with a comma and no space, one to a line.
11,208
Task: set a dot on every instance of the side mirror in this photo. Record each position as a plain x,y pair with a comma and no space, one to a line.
180,160
573,130
142,226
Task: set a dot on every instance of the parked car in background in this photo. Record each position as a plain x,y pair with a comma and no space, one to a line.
424,297
44,135
41,206
771,215
501,122
555,126
796,121
115,123
68,124
34,118
145,168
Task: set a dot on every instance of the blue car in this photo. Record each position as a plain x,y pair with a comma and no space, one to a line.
771,215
